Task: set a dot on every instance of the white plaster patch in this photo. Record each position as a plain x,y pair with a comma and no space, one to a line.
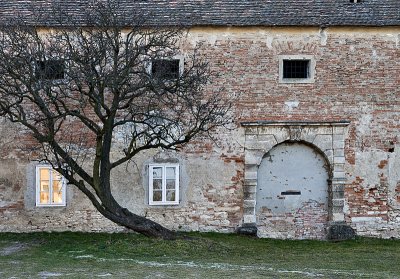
290,105
365,121
4,203
393,175
366,163
269,42
365,219
323,36
374,55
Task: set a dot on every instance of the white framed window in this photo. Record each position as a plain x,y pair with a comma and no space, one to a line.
50,187
296,69
163,184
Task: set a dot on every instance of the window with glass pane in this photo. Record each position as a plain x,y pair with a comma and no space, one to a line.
163,184
50,187
44,186
157,183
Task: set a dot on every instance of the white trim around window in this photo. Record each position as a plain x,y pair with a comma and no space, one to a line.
179,58
163,184
310,68
50,187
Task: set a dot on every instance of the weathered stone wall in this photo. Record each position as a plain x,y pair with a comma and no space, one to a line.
355,80
210,190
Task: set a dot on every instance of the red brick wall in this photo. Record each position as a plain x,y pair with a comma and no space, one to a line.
356,79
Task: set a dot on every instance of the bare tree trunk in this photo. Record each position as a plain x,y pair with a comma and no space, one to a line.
146,226
139,224
104,86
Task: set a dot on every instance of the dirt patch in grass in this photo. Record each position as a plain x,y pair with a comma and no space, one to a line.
12,248
45,274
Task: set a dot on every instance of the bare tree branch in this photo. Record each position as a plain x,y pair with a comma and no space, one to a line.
75,86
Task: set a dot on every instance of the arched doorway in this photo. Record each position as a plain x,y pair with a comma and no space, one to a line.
292,192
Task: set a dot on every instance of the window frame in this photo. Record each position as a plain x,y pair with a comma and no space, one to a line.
311,68
163,186
37,187
51,80
176,57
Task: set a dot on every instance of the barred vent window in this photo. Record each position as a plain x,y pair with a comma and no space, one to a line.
165,68
296,69
50,69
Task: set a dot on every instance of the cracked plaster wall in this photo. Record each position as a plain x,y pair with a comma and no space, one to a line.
355,80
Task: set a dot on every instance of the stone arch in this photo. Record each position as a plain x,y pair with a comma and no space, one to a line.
293,186
312,145
326,137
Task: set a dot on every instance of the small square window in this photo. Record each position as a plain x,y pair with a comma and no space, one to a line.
165,68
163,184
50,187
50,70
296,68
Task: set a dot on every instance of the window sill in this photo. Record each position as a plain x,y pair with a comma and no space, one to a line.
50,205
296,80
163,203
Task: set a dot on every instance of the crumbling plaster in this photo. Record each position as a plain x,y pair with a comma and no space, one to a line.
354,81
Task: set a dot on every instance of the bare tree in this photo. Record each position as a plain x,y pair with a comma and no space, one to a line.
75,86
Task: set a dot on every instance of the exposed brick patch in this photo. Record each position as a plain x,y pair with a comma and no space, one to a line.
229,159
382,164
15,206
311,221
368,200
349,146
308,222
397,192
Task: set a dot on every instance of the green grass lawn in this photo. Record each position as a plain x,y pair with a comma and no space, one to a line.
84,255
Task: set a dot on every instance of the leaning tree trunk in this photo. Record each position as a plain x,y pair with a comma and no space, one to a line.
122,216
143,225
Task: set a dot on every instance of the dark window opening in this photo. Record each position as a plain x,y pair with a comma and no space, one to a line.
167,69
291,193
296,68
50,69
